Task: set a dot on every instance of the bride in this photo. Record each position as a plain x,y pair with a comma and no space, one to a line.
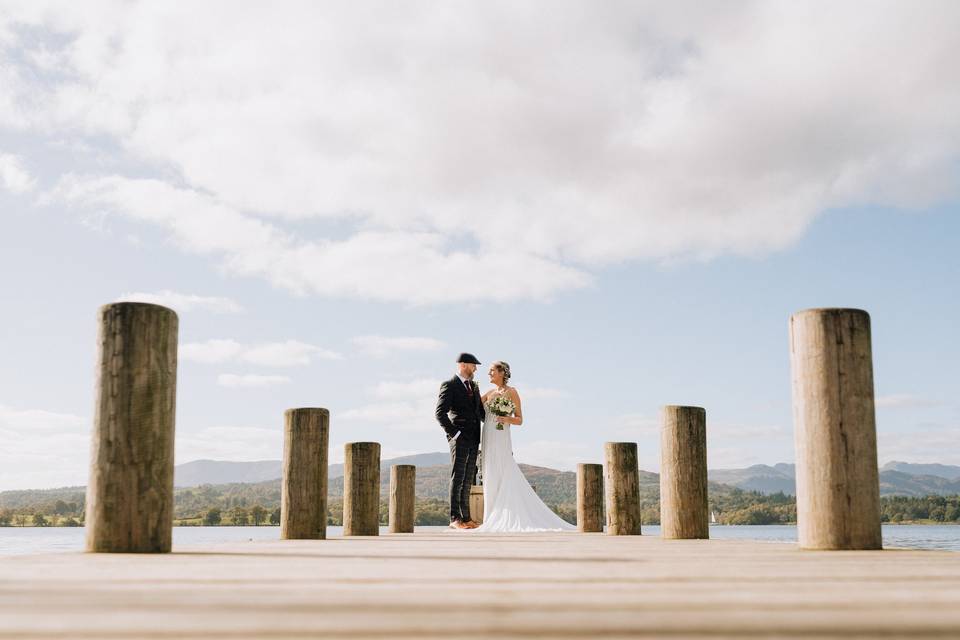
509,502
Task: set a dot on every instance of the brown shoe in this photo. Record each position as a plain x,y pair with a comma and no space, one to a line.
471,524
456,524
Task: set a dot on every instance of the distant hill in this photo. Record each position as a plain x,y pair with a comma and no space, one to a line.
904,484
192,474
896,479
198,472
231,483
759,477
948,471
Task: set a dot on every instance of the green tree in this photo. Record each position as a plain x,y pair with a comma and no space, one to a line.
6,517
240,517
212,518
61,508
275,516
258,514
40,520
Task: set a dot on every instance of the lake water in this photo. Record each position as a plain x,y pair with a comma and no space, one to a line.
22,540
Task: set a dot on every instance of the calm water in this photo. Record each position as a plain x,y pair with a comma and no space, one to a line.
21,540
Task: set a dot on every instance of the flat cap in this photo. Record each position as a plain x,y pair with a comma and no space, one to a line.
469,358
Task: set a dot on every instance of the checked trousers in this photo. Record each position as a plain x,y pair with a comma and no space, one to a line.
463,462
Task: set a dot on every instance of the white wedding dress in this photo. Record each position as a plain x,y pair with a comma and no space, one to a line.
509,502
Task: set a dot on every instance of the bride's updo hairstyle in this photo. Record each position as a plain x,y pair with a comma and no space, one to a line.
503,368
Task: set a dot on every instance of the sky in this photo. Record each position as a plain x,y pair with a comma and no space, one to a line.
626,202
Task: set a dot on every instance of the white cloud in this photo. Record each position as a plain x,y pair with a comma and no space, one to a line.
42,449
635,426
420,388
903,401
537,142
229,443
210,352
752,431
380,346
13,176
924,443
404,266
248,381
183,302
539,393
406,406
286,354
393,413
270,354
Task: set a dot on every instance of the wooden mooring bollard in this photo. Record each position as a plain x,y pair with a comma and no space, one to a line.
590,498
403,488
130,489
838,490
303,501
476,503
361,489
622,488
684,511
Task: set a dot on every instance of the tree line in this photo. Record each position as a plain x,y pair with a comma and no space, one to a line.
256,505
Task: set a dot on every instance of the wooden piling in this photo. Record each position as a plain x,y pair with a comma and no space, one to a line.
590,498
476,503
838,491
684,512
622,488
403,482
303,501
361,489
130,489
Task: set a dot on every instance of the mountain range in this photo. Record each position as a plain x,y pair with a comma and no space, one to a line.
198,472
896,477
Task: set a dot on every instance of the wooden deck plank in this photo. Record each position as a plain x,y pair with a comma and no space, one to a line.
470,585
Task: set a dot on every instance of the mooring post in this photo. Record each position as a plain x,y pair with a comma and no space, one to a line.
622,488
403,488
838,488
303,500
589,498
684,511
361,489
476,503
130,489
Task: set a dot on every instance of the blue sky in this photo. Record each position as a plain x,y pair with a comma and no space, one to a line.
632,232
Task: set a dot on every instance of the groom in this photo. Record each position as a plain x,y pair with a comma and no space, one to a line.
460,413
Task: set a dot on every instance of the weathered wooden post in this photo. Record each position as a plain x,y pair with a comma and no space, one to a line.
303,501
838,489
403,488
590,497
622,487
476,503
130,490
361,489
684,512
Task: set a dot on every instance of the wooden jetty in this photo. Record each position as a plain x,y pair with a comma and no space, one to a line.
463,584
459,584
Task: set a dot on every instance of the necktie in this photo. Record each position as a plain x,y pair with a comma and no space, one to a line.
469,388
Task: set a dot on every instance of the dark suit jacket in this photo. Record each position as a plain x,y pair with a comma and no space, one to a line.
457,412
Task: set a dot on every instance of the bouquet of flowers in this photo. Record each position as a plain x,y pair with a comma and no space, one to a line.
501,406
